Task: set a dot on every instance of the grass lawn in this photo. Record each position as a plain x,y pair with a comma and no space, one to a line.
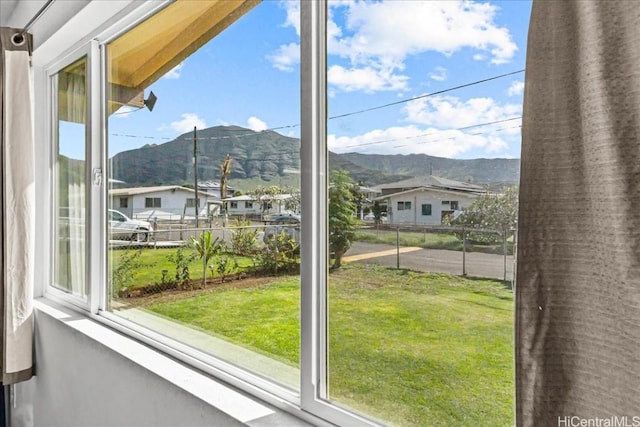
153,261
428,240
410,348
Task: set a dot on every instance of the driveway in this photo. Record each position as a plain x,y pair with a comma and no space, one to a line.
477,264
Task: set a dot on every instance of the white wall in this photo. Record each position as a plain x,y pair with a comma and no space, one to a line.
417,199
81,381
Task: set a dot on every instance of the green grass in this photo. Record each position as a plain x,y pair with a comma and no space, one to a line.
409,348
153,261
428,240
422,240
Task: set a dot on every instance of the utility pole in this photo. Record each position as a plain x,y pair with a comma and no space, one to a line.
195,171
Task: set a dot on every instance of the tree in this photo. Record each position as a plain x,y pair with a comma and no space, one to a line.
491,211
207,248
265,195
342,223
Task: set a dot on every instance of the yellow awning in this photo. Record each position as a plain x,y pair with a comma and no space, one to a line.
147,52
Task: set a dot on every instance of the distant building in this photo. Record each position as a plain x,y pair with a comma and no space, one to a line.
250,205
213,187
164,202
426,200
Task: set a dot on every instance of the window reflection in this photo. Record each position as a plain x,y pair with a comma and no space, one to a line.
70,206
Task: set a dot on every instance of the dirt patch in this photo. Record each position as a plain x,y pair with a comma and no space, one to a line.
193,290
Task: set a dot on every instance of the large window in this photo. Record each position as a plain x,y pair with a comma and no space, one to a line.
331,292
194,91
411,339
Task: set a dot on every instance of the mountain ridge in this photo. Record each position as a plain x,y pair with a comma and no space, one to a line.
268,156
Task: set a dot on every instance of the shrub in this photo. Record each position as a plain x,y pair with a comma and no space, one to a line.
181,262
123,273
279,254
243,238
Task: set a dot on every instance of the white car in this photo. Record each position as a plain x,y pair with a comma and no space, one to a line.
121,227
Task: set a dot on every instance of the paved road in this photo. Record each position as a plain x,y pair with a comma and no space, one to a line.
435,260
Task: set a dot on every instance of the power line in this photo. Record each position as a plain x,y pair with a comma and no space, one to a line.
426,95
436,133
347,114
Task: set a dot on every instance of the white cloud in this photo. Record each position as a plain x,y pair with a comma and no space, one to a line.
414,140
439,74
188,122
379,36
397,29
293,14
174,73
255,124
436,128
451,112
286,57
366,79
516,88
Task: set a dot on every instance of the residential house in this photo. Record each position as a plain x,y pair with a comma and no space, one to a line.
426,200
169,201
250,205
244,205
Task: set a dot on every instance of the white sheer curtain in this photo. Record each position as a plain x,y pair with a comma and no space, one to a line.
18,200
71,179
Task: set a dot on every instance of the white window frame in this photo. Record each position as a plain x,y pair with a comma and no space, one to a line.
312,402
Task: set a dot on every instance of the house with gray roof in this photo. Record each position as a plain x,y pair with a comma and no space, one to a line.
426,200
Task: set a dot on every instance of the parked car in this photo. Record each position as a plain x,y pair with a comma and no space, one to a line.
122,227
276,224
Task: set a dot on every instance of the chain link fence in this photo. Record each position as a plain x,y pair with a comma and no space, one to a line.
148,262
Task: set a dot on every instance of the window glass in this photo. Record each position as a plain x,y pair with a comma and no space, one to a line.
70,180
204,98
424,107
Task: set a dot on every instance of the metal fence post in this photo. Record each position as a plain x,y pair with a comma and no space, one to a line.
398,248
504,251
464,252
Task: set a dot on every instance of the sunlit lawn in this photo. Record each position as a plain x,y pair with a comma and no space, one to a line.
153,261
412,349
427,240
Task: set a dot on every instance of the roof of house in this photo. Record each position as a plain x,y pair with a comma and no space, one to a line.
147,190
431,181
244,197
448,191
212,185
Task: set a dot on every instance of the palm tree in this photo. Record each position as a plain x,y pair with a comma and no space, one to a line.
207,248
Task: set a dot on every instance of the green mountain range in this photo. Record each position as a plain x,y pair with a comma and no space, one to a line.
266,157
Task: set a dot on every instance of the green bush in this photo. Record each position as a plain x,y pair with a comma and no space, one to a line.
243,238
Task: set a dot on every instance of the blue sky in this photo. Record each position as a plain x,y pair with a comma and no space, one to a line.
380,52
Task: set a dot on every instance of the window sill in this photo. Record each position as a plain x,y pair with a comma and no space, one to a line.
221,397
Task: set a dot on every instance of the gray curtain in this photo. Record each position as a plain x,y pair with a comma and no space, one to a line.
17,213
578,280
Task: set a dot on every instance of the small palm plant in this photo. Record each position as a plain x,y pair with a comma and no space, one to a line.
207,247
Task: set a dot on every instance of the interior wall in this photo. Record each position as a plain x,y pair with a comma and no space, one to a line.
80,382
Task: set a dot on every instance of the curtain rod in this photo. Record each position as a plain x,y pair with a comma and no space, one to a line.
19,37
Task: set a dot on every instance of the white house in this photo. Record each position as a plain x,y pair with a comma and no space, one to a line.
424,205
242,205
172,200
249,205
426,200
